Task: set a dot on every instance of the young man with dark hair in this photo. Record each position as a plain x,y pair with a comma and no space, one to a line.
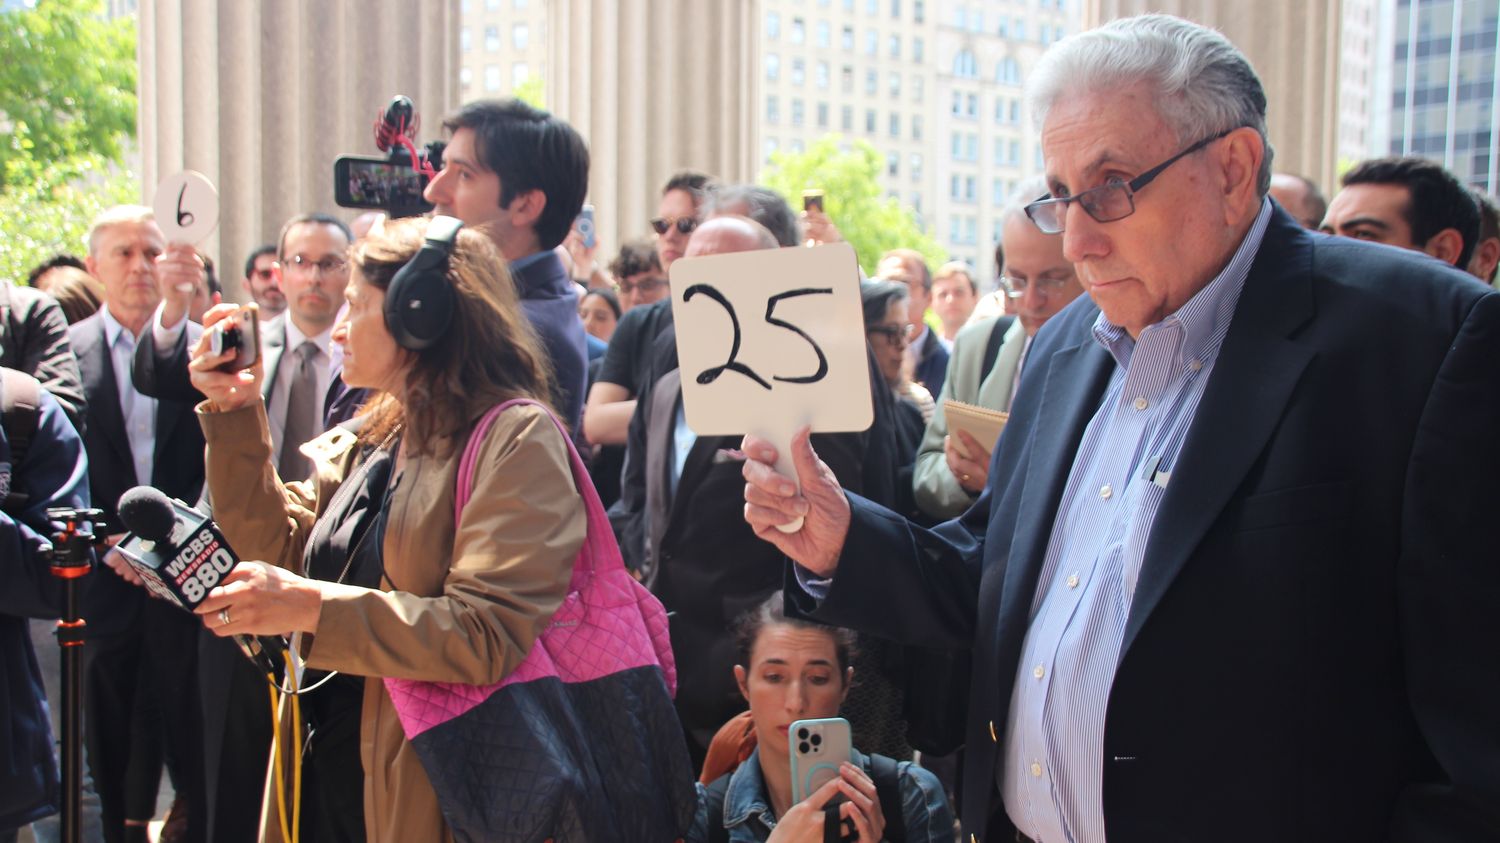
1408,202
262,283
519,175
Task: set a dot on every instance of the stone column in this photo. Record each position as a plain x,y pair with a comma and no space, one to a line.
655,86
1294,47
261,97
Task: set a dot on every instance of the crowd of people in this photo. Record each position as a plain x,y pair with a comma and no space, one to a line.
1225,574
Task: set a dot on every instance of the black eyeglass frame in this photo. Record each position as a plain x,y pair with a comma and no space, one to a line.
1090,200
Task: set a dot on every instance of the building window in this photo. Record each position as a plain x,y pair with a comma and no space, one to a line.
773,67
1015,153
518,74
958,147
895,85
492,5
895,9
492,77
895,125
964,65
999,152
892,164
916,127
919,11
799,72
796,111
955,187
895,46
799,31
465,77
1003,29
773,25
958,104
518,4
971,106
846,79
492,39
872,7
820,33
872,82
520,35
917,50
872,42
820,77
916,87
773,110
916,166
1015,112
770,149
796,146
846,118
969,189
465,39
846,39
870,121
822,115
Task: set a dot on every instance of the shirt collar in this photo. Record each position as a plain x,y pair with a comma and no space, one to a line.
1207,313
521,263
295,338
113,328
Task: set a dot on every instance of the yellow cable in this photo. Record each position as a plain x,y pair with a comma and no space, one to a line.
276,753
291,675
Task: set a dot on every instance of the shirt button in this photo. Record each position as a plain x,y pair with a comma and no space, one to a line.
1141,403
1072,581
1039,671
1106,492
994,737
1036,770
1196,365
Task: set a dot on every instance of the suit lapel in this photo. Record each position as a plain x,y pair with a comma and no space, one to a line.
98,374
273,342
1256,372
1076,379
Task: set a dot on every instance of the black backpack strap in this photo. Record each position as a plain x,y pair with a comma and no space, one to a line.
21,414
992,347
886,773
713,798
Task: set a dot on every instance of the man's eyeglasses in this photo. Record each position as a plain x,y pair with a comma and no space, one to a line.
645,285
1016,287
1113,200
684,225
304,266
893,334
263,274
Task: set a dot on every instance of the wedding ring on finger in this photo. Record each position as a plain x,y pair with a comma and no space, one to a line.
224,616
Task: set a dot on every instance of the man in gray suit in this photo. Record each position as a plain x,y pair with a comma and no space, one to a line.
988,356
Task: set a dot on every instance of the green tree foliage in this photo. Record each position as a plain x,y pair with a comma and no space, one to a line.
67,87
52,213
531,91
67,115
872,222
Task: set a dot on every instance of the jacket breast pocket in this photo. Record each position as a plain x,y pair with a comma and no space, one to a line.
1290,507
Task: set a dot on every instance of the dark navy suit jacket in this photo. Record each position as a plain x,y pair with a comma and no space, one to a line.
1311,649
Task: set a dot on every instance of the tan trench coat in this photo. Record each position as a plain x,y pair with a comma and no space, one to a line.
466,608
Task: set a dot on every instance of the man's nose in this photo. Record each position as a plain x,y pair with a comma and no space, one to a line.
1083,237
437,189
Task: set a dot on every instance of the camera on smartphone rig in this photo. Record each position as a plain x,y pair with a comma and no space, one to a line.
393,183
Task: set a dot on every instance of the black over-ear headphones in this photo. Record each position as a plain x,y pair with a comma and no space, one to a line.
419,300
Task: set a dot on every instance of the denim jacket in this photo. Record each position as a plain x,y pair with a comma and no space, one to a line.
748,816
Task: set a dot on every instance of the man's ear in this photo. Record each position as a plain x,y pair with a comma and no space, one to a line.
526,208
1446,246
1240,156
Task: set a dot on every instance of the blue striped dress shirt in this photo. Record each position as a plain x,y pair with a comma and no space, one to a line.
1053,764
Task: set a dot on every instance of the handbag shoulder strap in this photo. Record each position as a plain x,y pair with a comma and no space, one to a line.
599,556
886,774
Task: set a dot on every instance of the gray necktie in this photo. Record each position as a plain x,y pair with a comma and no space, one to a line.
301,414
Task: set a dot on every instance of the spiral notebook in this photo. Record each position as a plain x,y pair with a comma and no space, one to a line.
981,423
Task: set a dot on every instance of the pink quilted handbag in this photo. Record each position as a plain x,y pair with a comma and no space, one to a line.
580,742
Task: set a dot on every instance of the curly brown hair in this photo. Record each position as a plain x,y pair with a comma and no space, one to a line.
488,355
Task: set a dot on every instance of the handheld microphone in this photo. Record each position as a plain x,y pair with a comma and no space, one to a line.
181,555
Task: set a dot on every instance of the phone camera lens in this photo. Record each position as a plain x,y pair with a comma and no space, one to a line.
804,748
802,734
817,740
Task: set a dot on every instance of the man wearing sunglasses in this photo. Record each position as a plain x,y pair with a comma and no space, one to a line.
262,284
623,373
1231,578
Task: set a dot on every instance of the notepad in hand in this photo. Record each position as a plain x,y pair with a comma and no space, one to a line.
981,423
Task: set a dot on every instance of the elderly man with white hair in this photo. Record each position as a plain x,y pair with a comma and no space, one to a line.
1232,578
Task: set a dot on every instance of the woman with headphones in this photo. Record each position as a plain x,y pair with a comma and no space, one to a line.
365,559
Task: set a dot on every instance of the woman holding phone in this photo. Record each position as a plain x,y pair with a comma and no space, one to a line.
794,670
365,559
